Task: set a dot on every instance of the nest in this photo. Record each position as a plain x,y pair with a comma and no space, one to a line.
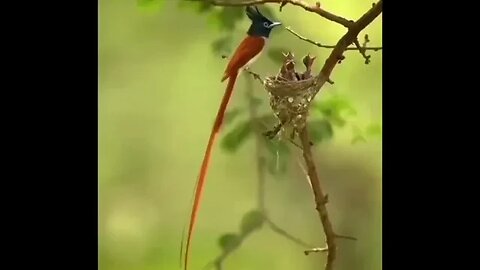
291,93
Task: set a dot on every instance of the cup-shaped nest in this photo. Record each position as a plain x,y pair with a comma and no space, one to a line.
291,92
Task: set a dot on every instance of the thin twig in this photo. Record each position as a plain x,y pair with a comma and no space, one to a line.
285,234
311,8
362,50
255,75
318,44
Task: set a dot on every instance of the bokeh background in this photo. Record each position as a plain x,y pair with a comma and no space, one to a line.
159,88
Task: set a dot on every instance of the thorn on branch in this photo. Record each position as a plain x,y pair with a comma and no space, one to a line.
317,4
346,237
362,50
282,4
322,201
308,251
366,40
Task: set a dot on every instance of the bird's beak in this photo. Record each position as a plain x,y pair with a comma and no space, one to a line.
275,24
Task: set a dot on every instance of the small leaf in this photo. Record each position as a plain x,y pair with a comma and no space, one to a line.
276,54
320,130
238,135
150,5
192,5
204,6
229,17
374,129
251,221
337,120
222,45
229,241
335,105
358,139
231,115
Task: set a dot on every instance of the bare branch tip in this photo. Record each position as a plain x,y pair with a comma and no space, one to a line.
346,237
282,4
314,250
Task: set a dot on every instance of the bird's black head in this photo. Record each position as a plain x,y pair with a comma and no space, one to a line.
261,26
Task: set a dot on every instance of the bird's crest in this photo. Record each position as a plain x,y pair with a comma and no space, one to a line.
255,15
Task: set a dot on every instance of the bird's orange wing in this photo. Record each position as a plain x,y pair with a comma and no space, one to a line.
248,49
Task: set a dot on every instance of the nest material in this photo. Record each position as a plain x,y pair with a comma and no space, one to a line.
291,92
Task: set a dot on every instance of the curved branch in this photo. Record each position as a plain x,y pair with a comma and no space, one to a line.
311,8
318,44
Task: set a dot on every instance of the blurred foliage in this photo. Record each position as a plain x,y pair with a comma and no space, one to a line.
327,114
229,242
150,5
331,113
251,221
237,136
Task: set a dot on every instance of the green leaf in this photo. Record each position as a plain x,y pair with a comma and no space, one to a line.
358,139
150,5
251,221
231,115
238,135
320,130
222,45
229,17
276,54
229,241
358,136
335,106
198,6
374,129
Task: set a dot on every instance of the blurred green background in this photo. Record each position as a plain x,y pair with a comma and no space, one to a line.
159,89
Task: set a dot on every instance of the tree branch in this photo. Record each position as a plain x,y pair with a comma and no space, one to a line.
318,44
320,199
311,8
337,53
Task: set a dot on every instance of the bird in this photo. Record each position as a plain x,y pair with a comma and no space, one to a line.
246,53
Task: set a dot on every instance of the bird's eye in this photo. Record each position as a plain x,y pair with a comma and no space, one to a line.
266,24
